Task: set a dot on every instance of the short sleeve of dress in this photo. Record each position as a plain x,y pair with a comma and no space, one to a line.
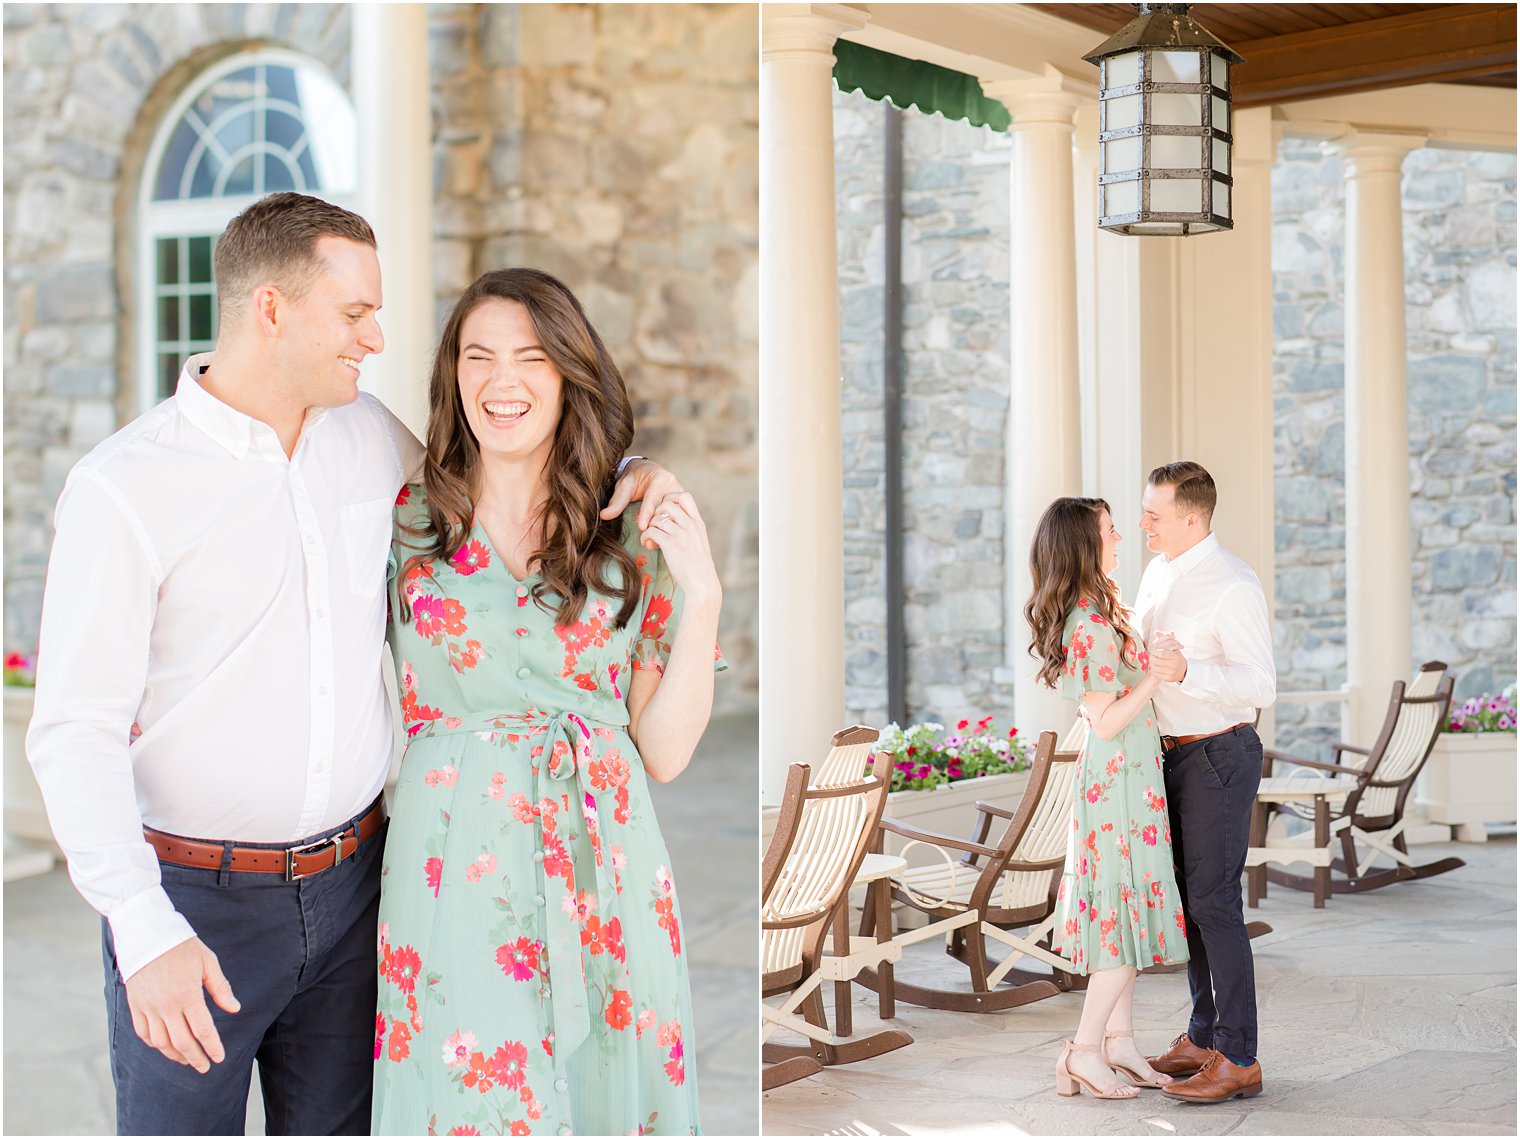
659,608
1092,656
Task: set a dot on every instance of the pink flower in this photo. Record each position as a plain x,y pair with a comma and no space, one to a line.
470,557
457,1049
1149,835
433,868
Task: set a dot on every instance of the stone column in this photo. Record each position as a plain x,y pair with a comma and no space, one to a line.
1044,434
391,94
801,493
1379,590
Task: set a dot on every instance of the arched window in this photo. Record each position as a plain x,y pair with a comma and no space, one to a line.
252,125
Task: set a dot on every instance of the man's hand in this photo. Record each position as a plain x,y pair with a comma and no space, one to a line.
1168,663
168,1011
646,482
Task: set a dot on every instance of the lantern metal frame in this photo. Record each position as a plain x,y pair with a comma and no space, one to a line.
1168,28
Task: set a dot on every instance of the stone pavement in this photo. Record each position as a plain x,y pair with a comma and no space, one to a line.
57,1074
1390,1013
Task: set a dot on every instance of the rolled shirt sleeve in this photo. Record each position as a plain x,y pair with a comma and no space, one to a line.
1247,676
93,648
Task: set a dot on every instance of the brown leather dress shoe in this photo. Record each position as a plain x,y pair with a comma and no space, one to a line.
1183,1058
1219,1079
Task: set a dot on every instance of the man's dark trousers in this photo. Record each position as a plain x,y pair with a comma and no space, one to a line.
300,957
1211,789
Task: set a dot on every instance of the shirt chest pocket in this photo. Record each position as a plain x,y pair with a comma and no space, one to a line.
1197,642
366,529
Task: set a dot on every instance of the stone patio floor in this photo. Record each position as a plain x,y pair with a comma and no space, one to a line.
1389,1013
57,1073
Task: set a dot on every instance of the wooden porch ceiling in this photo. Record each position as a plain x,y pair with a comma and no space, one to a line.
1305,51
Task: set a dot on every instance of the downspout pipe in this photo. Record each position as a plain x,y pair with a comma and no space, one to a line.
892,392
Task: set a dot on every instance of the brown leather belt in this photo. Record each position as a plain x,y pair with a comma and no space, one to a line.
294,862
1171,743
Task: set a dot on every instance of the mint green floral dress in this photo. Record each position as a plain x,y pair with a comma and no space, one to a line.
1118,902
532,977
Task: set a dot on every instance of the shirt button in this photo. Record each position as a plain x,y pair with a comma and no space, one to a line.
539,899
522,591
561,1085
322,691
524,672
521,632
538,856
544,992
321,613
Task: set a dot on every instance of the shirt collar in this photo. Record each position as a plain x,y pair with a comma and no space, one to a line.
1186,563
227,426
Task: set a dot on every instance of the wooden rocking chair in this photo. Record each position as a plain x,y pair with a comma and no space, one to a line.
992,890
819,843
1373,814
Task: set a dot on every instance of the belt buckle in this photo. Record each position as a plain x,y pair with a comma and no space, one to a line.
334,841
1168,743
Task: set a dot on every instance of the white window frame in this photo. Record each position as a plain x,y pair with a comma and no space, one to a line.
199,216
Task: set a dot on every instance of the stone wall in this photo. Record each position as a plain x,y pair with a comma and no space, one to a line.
613,145
1459,252
955,405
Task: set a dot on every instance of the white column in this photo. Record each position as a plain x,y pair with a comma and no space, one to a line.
801,496
391,93
1044,434
1379,589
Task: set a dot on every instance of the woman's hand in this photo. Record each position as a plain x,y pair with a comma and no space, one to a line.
681,535
646,482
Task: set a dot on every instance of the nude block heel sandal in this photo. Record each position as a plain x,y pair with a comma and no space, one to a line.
1068,1083
1134,1076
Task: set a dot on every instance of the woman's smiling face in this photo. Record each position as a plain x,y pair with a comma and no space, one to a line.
510,389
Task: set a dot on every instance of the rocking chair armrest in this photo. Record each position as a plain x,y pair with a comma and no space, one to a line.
1275,756
992,809
903,830
1337,747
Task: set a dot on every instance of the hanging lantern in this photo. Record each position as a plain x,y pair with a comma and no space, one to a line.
1164,136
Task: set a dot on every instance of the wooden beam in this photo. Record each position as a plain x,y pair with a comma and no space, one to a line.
1456,41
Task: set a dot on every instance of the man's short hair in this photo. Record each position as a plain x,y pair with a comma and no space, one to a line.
274,241
1192,486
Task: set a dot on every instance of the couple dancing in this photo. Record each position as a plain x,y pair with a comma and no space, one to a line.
210,666
1167,778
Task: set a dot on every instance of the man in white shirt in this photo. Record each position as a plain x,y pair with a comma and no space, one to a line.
211,731
1201,601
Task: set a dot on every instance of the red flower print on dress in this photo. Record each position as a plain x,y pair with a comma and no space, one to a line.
520,959
1106,673
400,1046
404,496
1154,801
509,1065
404,965
478,1075
447,775
522,810
669,1036
433,869
665,908
1148,834
464,1129
379,1034
520,1127
480,868
585,681
619,1014
656,614
612,770
646,1020
470,557
557,863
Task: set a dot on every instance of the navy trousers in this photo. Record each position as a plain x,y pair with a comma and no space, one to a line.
1210,789
300,957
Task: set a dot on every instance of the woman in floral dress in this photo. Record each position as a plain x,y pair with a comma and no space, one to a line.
1119,909
532,974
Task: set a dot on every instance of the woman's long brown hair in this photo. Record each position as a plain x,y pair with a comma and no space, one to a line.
1066,561
594,431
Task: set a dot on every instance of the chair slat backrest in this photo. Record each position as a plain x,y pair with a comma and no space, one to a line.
819,844
849,757
1038,832
1415,717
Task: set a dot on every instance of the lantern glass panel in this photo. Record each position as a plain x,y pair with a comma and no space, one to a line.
1221,114
1176,151
1176,195
1121,154
1221,156
1219,69
1121,113
1222,199
1174,110
1121,70
1121,198
1175,67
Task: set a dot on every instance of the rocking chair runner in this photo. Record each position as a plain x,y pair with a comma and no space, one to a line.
991,891
1373,813
815,853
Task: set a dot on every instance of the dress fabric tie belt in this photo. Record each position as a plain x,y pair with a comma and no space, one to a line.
566,755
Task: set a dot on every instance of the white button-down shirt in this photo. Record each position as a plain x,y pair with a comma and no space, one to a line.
210,654
1214,605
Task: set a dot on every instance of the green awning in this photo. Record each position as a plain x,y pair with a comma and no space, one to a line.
913,83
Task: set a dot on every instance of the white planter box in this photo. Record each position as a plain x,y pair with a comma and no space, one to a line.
1470,780
25,817
950,808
